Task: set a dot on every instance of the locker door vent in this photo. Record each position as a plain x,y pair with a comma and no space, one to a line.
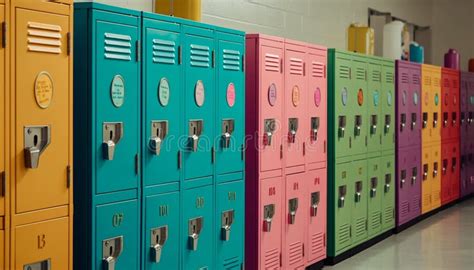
426,80
446,83
388,215
416,79
231,263
200,56
296,66
344,233
360,74
317,243
344,72
296,253
389,77
376,75
375,220
318,69
164,51
44,38
231,60
360,227
405,208
405,78
272,62
118,47
272,259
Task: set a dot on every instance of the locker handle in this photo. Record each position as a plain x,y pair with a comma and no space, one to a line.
159,236
227,219
3,184
227,130
111,250
158,130
36,140
112,133
42,265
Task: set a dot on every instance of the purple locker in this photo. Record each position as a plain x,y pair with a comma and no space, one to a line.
465,181
469,140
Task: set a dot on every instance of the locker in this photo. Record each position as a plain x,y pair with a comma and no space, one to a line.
161,231
455,170
446,99
316,150
409,184
387,165
316,217
374,191
197,219
359,181
295,107
343,204
3,135
464,89
431,107
359,105
374,105
427,184
388,107
446,175
436,176
294,221
229,225
470,142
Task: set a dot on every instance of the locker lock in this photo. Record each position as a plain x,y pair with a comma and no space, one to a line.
315,197
159,130
373,124
403,176
314,128
413,121
414,175
445,119
269,126
111,250
403,120
36,140
425,171
463,117
435,169
358,125
227,130
194,229
388,121
112,133
358,191
292,209
454,163
159,236
195,130
43,265
445,166
342,126
463,161
435,120
292,129
388,182
425,120
342,196
227,219
373,186
454,117
469,119
268,213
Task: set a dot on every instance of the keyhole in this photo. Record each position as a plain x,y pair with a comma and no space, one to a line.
226,128
194,228
35,140
226,220
111,250
158,131
194,130
158,239
111,134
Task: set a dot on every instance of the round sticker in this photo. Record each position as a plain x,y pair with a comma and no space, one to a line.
317,97
415,98
376,98
436,99
344,96
404,97
117,91
295,96
199,94
360,97
44,89
231,95
455,99
427,98
164,92
472,100
446,102
389,98
272,94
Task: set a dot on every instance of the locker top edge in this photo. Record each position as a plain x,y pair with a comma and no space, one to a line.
104,7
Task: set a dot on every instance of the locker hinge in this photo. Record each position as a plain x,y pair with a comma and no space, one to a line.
243,62
213,155
213,59
179,159
303,250
69,45
304,69
281,151
350,231
180,55
304,149
325,71
324,240
366,224
242,152
366,141
69,176
324,146
137,164
138,50
4,35
3,184
281,65
280,261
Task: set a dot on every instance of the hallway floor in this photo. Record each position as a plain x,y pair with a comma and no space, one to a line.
443,241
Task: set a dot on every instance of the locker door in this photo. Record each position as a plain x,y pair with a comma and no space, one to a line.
317,106
436,174
41,110
403,186
359,181
436,105
388,107
270,222
230,124
404,107
3,152
387,165
454,107
426,174
316,201
160,238
162,94
359,106
271,106
427,96
374,191
445,173
446,89
455,170
344,203
295,105
117,103
199,96
2,248
416,178
414,99
374,104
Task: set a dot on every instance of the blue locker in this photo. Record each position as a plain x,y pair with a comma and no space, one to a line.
106,137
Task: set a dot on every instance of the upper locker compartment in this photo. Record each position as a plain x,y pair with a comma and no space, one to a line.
374,104
359,105
446,85
404,114
270,104
41,108
388,107
454,105
230,125
436,105
199,95
295,105
413,99
116,88
316,139
3,152
426,109
162,92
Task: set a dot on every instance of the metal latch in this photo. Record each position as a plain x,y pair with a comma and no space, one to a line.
435,119
469,120
159,130
425,171
388,181
268,213
413,120
227,130
159,236
315,197
314,128
425,120
342,196
269,127
112,133
463,117
292,209
454,163
403,120
445,119
435,169
342,126
414,175
42,265
227,219
111,250
445,166
388,121
454,117
36,140
373,124
358,191
195,130
292,129
194,230
373,186
403,176
358,125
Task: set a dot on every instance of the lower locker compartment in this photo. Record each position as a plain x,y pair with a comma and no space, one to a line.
427,178
360,206
343,205
42,245
388,192
229,226
117,235
374,191
316,196
197,228
160,239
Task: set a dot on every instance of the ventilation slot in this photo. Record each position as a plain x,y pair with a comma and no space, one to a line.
436,196
231,60
44,38
427,80
272,259
118,47
344,72
389,77
272,62
405,78
318,70
388,215
296,66
426,200
344,233
416,204
375,220
446,83
376,76
317,243
404,208
295,253
164,51
436,82
416,79
360,227
360,74
231,263
200,56
455,83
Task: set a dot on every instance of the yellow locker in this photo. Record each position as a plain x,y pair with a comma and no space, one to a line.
436,176
426,187
431,107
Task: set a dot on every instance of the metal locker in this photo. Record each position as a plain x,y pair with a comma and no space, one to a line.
408,183
427,179
387,166
404,123
431,107
436,176
374,105
340,229
197,219
160,235
455,105
465,185
359,105
374,190
388,107
445,173
455,171
359,181
415,102
450,104
229,225
199,100
4,175
230,102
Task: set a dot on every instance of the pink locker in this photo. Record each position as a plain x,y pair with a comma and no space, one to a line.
294,124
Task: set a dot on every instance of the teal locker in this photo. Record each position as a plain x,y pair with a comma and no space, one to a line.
374,106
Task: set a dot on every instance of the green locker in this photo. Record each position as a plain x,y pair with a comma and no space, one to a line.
388,107
360,197
359,105
374,106
375,196
388,191
342,204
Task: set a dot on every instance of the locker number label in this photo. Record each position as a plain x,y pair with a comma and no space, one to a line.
272,191
415,98
164,92
117,91
117,219
317,97
230,95
272,94
199,93
200,202
44,89
360,97
41,241
295,96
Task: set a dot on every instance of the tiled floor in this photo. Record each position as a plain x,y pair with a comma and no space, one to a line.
443,241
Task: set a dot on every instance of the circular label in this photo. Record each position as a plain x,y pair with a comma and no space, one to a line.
117,91
295,96
404,97
360,97
376,98
455,99
344,96
164,92
427,98
446,102
199,94
472,100
230,95
44,89
415,98
389,98
317,97
436,99
272,94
